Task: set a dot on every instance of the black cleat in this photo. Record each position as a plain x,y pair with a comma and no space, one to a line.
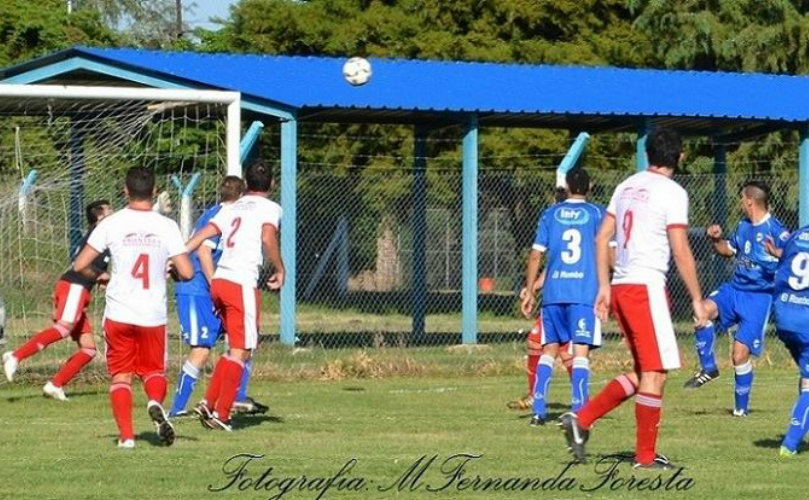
660,462
701,378
250,407
205,415
218,424
537,421
576,436
165,431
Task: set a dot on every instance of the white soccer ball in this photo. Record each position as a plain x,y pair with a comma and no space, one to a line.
357,71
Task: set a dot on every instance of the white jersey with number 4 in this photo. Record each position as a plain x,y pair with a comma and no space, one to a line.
645,206
241,224
140,243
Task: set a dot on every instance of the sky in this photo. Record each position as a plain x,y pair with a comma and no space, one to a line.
206,9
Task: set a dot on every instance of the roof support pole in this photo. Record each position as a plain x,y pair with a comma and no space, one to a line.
419,277
641,160
469,295
289,178
720,209
76,169
803,176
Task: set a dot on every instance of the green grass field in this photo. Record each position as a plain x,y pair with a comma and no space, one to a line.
66,450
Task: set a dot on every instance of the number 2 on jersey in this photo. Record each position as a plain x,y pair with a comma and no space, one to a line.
627,226
140,271
235,225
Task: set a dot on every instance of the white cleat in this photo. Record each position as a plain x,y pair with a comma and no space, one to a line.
10,365
739,413
127,444
54,392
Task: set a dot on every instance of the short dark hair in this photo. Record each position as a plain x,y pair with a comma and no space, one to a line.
231,188
663,147
94,210
140,183
578,181
759,191
258,176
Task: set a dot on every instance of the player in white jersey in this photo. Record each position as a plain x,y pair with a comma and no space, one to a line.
141,243
649,214
247,227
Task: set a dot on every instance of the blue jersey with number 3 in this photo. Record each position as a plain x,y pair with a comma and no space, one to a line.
792,285
755,268
566,233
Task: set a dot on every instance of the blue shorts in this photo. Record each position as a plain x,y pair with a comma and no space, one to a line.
577,323
199,322
749,310
798,346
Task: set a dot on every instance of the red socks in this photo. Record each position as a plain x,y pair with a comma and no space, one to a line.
231,377
533,359
40,341
73,366
611,396
212,394
154,385
121,401
647,417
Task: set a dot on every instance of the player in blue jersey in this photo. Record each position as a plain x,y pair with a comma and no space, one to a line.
792,325
566,233
745,300
199,323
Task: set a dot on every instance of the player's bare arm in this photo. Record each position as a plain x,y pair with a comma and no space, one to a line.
684,259
209,231
84,261
769,245
182,269
528,301
720,245
605,261
205,256
269,239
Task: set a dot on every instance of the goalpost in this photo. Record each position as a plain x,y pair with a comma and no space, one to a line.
62,147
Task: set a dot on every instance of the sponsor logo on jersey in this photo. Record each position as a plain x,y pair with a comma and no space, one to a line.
794,299
568,275
640,194
141,240
759,237
571,216
802,241
582,331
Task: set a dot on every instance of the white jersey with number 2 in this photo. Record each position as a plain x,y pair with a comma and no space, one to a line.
645,206
140,243
241,224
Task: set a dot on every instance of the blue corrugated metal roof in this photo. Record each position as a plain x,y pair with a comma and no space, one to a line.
465,87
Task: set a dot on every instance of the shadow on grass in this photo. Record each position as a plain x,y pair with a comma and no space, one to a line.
152,438
775,443
70,396
246,421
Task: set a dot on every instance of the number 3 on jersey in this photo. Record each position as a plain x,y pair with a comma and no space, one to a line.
573,252
140,271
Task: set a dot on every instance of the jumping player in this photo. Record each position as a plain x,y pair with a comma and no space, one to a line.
566,232
141,243
246,226
746,299
71,298
649,213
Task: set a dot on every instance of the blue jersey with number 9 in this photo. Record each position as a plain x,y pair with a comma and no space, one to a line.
792,284
566,232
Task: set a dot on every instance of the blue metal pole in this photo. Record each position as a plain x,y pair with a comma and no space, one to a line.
720,169
289,177
419,278
803,176
641,160
469,330
76,187
248,147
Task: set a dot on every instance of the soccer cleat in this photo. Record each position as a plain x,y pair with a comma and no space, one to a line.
701,378
575,434
204,413
10,365
537,421
660,462
250,407
54,392
126,444
218,424
165,431
739,413
785,452
524,403
180,414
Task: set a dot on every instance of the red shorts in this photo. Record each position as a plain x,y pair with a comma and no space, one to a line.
240,309
135,349
643,313
70,302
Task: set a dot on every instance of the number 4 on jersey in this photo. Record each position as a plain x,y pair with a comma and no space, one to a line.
140,271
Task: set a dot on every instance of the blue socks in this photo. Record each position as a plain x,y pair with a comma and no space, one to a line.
544,374
248,369
704,339
186,382
580,378
744,381
798,423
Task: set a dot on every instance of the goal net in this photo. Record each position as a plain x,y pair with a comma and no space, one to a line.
64,147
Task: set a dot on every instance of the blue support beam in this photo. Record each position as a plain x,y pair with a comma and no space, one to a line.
76,186
469,294
641,160
419,274
720,207
803,176
289,201
248,148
